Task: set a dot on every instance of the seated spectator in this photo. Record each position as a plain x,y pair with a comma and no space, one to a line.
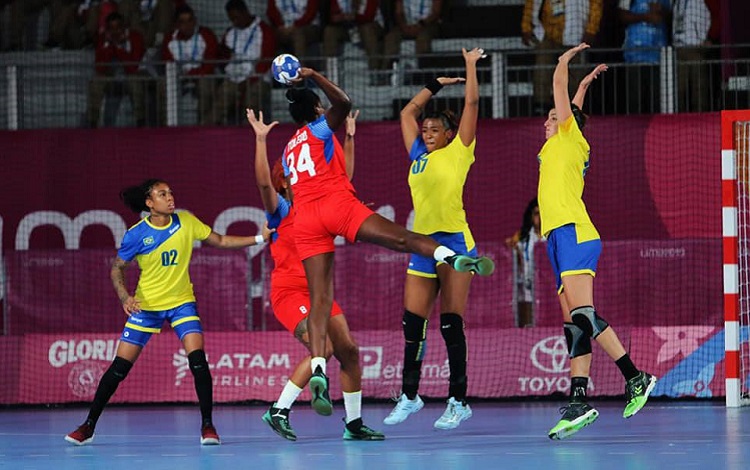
355,21
118,56
565,24
522,243
296,23
645,34
62,31
93,15
153,18
249,46
414,19
691,22
195,50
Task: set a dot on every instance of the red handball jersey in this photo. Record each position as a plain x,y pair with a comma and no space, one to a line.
288,270
314,162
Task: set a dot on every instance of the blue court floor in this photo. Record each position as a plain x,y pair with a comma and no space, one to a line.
665,435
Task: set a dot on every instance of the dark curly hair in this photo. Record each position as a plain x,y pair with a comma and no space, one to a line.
135,197
302,104
447,117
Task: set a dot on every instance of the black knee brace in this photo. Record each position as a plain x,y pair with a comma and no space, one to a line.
588,320
198,363
452,329
415,334
120,368
579,343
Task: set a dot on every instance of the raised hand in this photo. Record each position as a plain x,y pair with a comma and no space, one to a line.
570,53
261,129
351,123
594,74
473,55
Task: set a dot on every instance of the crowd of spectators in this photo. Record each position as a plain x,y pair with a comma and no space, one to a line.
239,56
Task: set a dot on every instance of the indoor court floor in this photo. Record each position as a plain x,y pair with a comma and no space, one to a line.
667,435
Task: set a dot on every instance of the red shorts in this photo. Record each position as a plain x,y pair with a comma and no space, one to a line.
318,222
290,306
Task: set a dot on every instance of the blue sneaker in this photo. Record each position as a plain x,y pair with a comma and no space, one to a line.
278,420
467,264
356,431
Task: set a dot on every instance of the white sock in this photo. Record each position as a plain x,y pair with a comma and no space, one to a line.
318,361
353,405
288,395
442,252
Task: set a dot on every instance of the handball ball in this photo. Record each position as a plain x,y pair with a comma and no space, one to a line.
285,68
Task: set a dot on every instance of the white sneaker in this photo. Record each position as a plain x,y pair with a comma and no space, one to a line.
455,413
404,407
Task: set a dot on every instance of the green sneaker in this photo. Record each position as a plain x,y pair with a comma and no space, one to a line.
321,401
464,264
576,416
356,431
637,391
278,419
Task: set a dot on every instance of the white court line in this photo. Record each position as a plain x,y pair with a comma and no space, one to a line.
174,455
319,455
127,455
672,453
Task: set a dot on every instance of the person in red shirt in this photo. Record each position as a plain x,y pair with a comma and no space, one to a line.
118,56
195,49
326,206
290,298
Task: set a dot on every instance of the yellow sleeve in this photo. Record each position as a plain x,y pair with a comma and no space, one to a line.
199,230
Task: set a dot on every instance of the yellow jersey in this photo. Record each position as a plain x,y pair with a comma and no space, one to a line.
163,255
563,162
436,180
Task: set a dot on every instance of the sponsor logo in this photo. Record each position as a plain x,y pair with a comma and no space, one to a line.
550,356
371,358
237,369
174,229
375,367
83,378
64,352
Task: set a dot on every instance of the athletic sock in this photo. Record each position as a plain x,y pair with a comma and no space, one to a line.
318,362
353,405
578,386
288,395
627,367
442,252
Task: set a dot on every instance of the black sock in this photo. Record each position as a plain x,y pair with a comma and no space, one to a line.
578,386
452,329
108,384
412,373
627,367
203,385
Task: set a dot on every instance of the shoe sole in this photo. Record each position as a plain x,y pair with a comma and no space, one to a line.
482,266
651,384
452,426
79,443
368,438
319,404
574,427
269,421
391,423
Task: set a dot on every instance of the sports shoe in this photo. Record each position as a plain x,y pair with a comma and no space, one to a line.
637,391
321,402
454,413
356,431
209,437
464,264
278,419
81,436
404,407
576,416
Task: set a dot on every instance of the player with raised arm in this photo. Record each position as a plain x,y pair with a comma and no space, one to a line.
574,246
290,298
441,153
326,206
162,245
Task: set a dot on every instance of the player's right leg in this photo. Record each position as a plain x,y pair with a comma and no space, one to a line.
125,357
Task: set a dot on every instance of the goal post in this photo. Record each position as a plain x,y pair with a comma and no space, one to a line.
735,201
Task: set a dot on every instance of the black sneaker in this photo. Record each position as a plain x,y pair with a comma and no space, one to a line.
278,419
576,416
465,264
356,431
637,391
321,402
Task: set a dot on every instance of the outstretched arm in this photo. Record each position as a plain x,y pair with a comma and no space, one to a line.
467,128
341,104
560,82
584,85
413,109
351,129
262,170
231,241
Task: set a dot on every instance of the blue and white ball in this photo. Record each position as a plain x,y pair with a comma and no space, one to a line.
285,68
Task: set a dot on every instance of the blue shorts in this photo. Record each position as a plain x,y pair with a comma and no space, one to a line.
140,326
427,267
569,257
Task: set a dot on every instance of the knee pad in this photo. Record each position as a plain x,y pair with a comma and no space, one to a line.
415,334
588,320
197,361
579,343
452,329
120,368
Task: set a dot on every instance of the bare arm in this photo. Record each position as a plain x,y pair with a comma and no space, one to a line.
341,104
262,170
414,108
231,241
129,303
467,128
560,83
586,82
351,129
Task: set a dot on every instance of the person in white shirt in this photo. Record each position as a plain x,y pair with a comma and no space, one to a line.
691,20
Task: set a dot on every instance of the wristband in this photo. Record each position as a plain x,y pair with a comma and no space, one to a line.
259,240
434,86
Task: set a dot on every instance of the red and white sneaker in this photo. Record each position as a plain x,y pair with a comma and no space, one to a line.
81,436
209,436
